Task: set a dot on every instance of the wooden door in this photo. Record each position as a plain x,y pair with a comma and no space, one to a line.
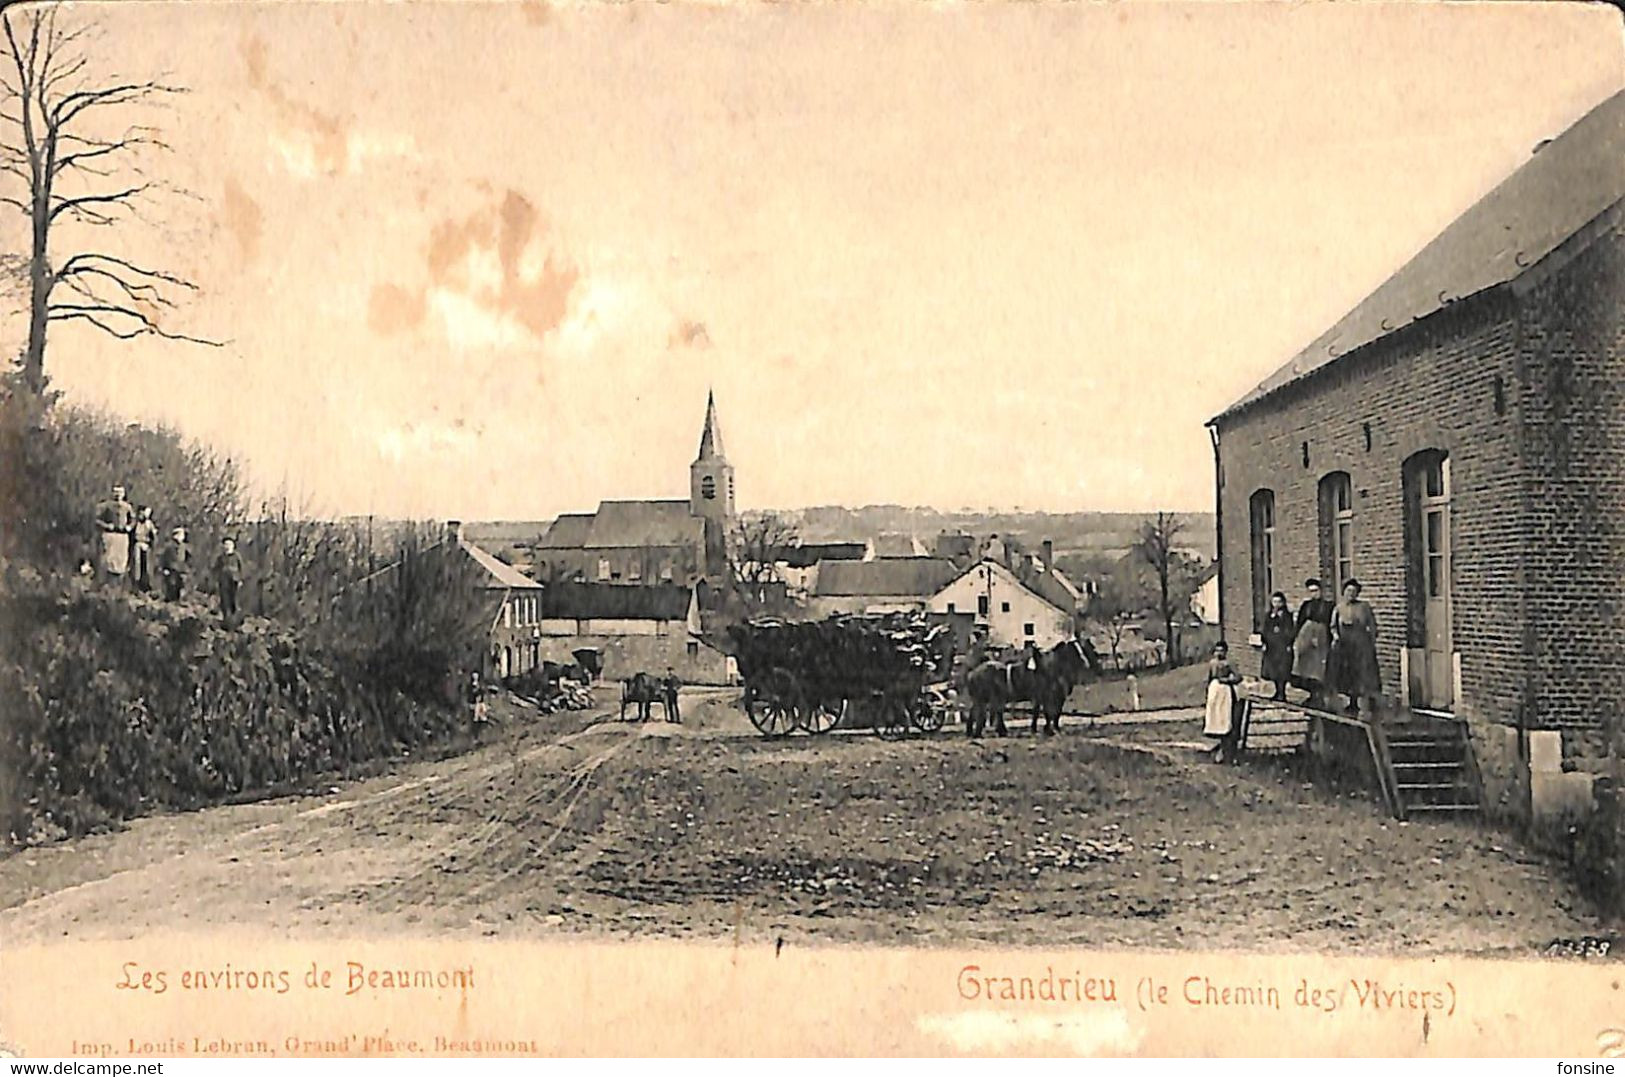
1437,645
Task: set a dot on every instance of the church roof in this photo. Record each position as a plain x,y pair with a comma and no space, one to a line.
569,531
1568,182
711,436
645,523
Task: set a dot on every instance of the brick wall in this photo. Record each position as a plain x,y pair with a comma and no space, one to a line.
1574,409
1430,386
1524,388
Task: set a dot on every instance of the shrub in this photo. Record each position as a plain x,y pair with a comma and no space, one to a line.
118,705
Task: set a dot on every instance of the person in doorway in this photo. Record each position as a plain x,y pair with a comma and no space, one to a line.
1313,644
1279,634
174,564
1220,722
228,577
1352,669
114,520
669,687
142,536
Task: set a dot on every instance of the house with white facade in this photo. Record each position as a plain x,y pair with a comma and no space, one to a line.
1012,613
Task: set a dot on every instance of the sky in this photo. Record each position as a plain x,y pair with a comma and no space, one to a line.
485,261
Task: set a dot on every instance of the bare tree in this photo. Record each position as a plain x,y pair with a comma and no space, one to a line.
80,162
754,555
1155,547
1120,595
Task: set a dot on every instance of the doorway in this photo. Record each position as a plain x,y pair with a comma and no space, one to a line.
1432,663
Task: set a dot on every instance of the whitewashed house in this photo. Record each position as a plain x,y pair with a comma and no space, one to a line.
1013,613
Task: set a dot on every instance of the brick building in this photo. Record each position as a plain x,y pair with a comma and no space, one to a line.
1457,442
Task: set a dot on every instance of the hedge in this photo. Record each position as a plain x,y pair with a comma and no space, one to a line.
115,705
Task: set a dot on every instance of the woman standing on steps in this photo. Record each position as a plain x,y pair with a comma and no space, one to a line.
1279,632
1353,666
1313,644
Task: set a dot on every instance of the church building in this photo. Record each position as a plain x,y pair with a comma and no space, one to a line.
650,542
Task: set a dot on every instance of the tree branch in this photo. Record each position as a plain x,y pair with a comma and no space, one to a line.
81,204
144,325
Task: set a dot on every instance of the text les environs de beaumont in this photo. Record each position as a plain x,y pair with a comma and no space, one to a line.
352,978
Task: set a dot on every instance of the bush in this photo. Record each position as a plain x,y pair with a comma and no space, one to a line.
118,705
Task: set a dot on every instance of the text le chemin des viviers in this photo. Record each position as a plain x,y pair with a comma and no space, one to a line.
350,979
976,984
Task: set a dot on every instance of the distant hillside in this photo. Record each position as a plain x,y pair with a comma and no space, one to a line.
494,534
1072,532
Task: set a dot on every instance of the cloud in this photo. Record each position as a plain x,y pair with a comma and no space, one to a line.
311,143
689,334
425,439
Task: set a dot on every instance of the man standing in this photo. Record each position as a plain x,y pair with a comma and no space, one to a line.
228,576
142,535
114,520
173,565
669,689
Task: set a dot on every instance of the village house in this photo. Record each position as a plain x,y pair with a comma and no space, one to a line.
512,610
650,542
884,585
645,628
1013,614
1205,598
797,565
1457,443
1038,573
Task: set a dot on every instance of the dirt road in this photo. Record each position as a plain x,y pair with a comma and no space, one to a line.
1116,834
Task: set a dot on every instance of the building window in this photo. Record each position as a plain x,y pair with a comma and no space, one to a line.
1027,629
1261,508
665,574
982,605
507,614
1337,529
603,568
953,607
634,572
693,649
1004,607
708,488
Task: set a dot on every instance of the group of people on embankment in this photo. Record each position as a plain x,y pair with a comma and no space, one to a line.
1328,649
127,538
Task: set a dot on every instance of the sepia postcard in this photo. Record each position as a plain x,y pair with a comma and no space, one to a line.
736,529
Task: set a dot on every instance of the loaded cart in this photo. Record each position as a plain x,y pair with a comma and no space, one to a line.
888,672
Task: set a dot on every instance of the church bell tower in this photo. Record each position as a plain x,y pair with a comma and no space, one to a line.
711,477
711,490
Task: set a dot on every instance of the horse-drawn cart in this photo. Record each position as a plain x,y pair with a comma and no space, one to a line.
887,672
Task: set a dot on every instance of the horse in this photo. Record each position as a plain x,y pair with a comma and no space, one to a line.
993,685
642,689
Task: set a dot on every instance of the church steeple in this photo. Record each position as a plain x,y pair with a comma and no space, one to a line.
711,477
711,436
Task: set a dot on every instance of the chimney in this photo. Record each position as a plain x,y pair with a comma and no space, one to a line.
1049,557
454,530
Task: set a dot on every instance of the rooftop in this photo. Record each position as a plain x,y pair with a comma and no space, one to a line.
1568,182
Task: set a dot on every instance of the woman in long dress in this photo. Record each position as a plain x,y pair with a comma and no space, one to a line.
1313,644
1353,667
1278,636
1222,679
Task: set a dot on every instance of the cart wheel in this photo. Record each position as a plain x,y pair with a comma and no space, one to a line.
929,714
771,704
825,716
